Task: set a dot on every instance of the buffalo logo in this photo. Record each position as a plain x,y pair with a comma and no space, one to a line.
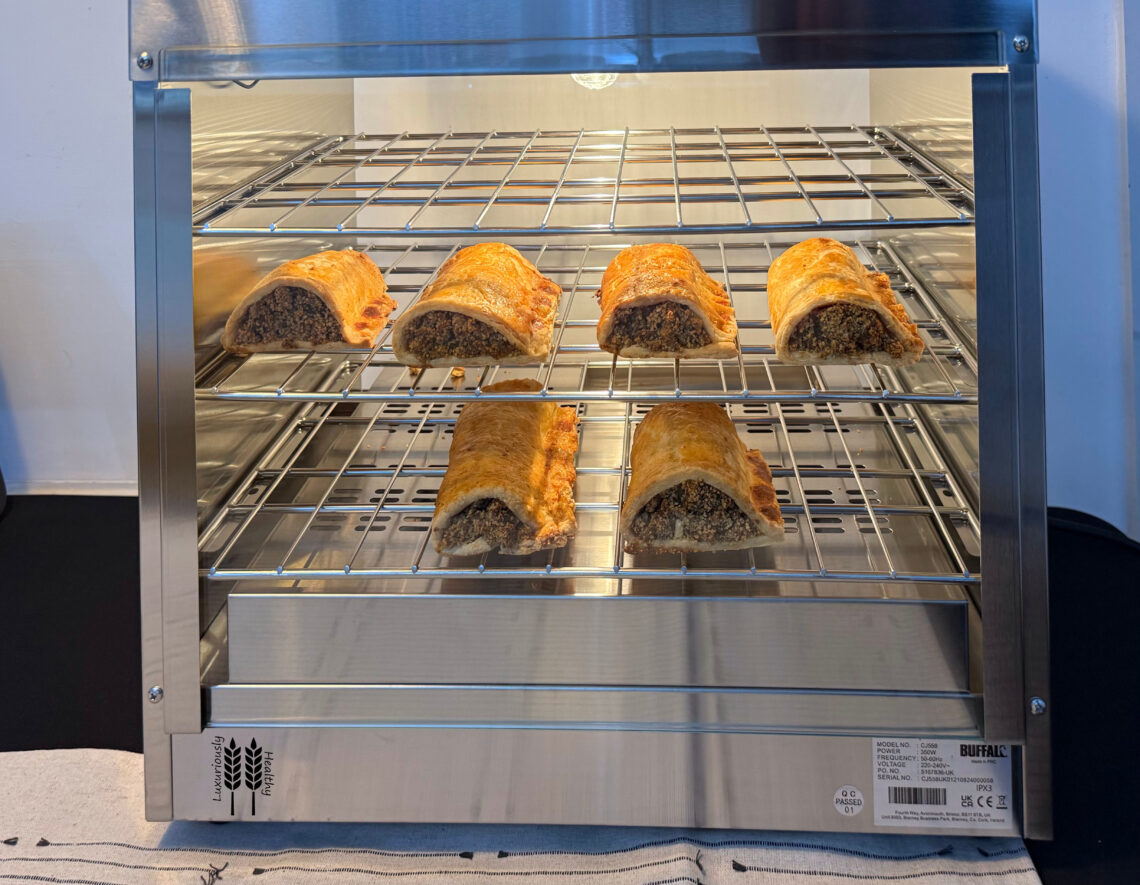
984,751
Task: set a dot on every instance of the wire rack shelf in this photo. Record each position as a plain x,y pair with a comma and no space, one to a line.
564,182
351,496
946,374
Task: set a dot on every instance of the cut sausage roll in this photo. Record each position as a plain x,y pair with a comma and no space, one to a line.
331,300
828,309
487,306
657,301
694,486
510,477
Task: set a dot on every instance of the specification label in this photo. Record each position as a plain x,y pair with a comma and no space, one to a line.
949,784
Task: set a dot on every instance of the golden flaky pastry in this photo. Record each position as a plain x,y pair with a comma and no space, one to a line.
487,306
510,477
828,309
694,486
330,300
657,301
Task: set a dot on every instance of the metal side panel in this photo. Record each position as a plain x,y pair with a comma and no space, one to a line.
155,740
599,777
1033,511
240,39
1012,428
174,312
166,429
998,425
725,642
674,709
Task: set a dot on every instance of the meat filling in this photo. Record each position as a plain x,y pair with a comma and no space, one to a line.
288,314
666,326
693,510
487,518
444,333
845,330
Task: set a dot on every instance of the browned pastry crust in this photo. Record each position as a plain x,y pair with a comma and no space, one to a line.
489,284
694,446
643,276
347,282
828,309
520,454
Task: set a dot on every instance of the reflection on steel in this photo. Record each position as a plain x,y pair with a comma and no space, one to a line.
250,39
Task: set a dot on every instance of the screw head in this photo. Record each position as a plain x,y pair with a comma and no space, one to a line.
1021,43
145,61
154,694
1037,706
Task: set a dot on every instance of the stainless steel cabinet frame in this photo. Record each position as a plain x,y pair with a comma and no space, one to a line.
320,692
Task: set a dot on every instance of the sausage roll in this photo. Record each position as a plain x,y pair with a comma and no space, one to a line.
828,309
487,306
329,300
694,486
510,477
657,301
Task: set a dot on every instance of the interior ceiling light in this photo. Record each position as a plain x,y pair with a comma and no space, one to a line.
595,81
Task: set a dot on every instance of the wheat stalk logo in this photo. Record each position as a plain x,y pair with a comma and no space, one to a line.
254,772
231,770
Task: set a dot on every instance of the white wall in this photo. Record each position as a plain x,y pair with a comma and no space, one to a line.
1132,88
1086,232
67,338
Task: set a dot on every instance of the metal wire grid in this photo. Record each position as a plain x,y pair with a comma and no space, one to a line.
221,160
946,374
944,263
312,494
949,144
587,181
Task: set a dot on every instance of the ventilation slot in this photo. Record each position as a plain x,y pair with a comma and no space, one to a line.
378,526
415,524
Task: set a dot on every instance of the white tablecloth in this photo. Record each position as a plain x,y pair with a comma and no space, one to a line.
75,816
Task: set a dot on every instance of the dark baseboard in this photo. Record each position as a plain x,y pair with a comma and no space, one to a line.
69,587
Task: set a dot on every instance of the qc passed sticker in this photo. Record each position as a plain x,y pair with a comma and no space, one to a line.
931,783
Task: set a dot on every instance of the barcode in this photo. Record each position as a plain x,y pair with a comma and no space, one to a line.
916,795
